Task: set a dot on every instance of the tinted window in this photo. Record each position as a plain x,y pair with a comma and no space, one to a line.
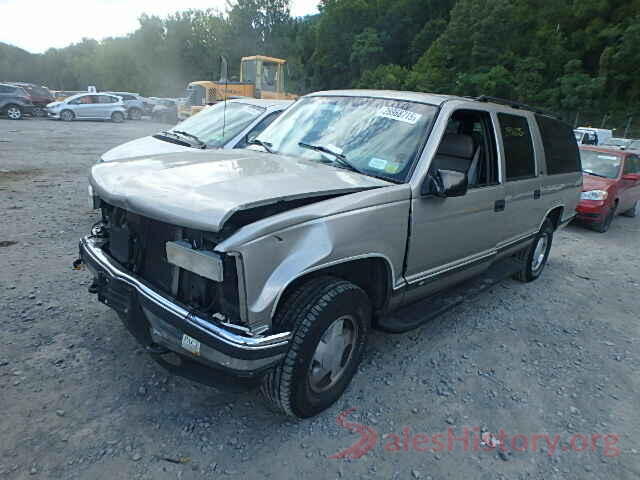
518,147
631,165
107,99
560,147
6,89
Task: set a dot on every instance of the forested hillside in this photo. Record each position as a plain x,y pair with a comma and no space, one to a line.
569,56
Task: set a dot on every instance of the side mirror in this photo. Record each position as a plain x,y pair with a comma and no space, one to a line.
445,183
251,136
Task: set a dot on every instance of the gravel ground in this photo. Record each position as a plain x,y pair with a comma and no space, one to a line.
81,400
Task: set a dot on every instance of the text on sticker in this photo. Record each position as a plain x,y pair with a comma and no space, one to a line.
399,114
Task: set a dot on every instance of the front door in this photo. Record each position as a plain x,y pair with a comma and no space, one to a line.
457,233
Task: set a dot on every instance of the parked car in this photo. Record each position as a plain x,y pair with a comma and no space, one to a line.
272,263
619,143
40,97
592,136
88,106
15,102
611,186
233,126
133,102
165,110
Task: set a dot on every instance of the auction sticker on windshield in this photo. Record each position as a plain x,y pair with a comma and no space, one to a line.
399,114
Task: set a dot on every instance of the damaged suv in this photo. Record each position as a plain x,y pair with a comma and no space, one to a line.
272,263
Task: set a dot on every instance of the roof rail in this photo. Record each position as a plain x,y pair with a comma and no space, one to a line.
513,104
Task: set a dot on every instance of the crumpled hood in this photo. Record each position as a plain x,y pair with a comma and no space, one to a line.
142,147
202,190
591,182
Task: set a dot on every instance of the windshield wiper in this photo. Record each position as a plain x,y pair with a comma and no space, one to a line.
342,160
588,172
190,135
266,145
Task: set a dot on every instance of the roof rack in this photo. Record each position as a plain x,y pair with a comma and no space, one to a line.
512,104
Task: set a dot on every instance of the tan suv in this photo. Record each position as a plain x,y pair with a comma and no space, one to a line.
271,264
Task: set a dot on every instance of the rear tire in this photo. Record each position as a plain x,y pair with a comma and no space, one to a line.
67,116
135,114
633,211
14,112
330,320
117,117
535,257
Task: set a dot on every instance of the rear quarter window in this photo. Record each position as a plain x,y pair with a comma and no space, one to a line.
518,148
560,147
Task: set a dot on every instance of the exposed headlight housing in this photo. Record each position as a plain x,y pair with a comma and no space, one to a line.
202,262
594,195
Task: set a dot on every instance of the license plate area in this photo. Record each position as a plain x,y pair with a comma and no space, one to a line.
190,344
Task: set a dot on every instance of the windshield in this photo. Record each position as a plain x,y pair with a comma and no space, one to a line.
379,137
600,163
209,124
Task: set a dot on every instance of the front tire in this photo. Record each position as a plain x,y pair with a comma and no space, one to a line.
117,117
67,116
535,257
14,112
38,112
603,227
330,320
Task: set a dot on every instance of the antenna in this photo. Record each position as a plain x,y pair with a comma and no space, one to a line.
224,71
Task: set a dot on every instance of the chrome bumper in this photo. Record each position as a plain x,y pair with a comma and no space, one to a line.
167,320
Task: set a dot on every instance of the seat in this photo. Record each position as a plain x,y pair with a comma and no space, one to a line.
456,152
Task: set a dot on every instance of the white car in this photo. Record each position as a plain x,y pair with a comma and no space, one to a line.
225,125
88,106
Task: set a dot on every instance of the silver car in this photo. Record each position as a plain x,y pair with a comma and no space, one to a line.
88,106
355,210
234,125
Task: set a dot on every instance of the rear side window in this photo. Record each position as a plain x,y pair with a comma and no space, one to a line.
560,147
631,165
518,147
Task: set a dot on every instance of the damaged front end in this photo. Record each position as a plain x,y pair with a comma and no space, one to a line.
177,296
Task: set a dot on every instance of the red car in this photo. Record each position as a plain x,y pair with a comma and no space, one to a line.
611,186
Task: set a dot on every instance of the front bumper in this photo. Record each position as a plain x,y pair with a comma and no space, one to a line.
159,323
55,115
591,211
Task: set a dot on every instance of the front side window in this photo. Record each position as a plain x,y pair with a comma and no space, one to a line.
601,164
216,125
468,146
518,147
631,165
379,137
560,149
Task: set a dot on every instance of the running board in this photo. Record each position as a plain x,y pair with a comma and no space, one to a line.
412,316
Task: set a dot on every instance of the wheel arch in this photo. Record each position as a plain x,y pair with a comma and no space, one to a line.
372,272
555,215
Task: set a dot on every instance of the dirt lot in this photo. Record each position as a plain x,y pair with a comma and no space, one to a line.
81,400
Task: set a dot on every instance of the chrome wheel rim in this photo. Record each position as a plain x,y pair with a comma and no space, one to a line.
14,113
66,116
539,253
333,354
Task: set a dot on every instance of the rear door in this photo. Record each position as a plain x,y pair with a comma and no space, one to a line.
629,183
523,185
105,105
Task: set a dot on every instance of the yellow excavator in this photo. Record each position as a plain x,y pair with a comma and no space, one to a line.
260,77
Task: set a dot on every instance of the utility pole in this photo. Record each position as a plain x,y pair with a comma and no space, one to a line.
604,120
628,126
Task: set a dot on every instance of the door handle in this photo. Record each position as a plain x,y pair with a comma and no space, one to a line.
537,194
499,205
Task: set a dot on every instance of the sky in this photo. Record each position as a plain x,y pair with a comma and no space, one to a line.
36,25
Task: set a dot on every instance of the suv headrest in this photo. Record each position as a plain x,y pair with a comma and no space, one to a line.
456,145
